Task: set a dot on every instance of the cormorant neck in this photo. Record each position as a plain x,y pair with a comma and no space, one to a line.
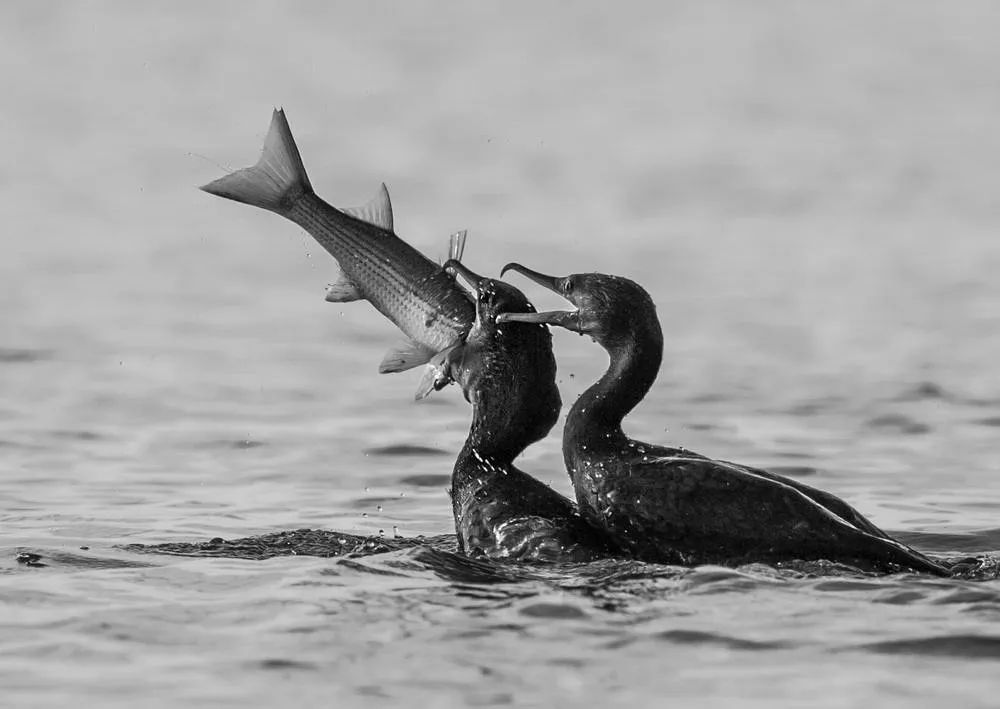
502,423
493,439
515,400
597,415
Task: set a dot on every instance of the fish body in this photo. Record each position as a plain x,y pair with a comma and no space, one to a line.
374,264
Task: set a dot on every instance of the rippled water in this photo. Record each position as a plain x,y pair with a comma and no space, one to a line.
809,194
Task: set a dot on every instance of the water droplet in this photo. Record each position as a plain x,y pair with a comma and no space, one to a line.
364,514
366,487
379,508
381,532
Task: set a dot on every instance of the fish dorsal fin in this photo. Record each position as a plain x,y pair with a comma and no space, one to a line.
456,245
342,289
405,355
377,211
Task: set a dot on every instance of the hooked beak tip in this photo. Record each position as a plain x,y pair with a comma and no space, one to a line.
550,282
454,268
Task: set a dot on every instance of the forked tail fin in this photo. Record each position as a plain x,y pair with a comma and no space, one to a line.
276,179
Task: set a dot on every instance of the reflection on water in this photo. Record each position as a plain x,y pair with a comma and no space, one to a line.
807,192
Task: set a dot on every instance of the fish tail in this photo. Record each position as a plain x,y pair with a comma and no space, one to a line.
277,179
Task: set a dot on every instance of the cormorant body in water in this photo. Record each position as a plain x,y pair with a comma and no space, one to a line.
669,504
507,372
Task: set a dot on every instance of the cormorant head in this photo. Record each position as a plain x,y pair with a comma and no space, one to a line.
611,309
491,297
507,370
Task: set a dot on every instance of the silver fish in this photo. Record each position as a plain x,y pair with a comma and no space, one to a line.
375,265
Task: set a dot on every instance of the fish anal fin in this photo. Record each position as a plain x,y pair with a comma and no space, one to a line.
405,355
342,290
377,211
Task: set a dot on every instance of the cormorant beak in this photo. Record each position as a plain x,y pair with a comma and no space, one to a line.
569,319
454,267
550,282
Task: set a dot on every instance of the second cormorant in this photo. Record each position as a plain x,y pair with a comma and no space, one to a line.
668,504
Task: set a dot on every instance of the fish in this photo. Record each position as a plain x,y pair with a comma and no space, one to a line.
373,263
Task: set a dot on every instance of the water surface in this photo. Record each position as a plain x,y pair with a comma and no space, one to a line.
808,193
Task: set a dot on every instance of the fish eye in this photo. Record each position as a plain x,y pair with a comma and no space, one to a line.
569,284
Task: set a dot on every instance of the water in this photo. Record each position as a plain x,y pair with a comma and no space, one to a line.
808,193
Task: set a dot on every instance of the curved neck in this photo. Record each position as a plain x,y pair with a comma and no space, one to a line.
510,379
597,415
493,436
507,417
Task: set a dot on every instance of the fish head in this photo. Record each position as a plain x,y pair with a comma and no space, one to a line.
608,308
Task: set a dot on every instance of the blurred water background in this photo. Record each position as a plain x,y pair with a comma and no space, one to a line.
808,190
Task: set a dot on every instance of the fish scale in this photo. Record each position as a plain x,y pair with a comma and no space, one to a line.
395,282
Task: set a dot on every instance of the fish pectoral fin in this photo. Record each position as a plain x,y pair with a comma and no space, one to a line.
342,290
377,211
433,379
438,372
405,355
